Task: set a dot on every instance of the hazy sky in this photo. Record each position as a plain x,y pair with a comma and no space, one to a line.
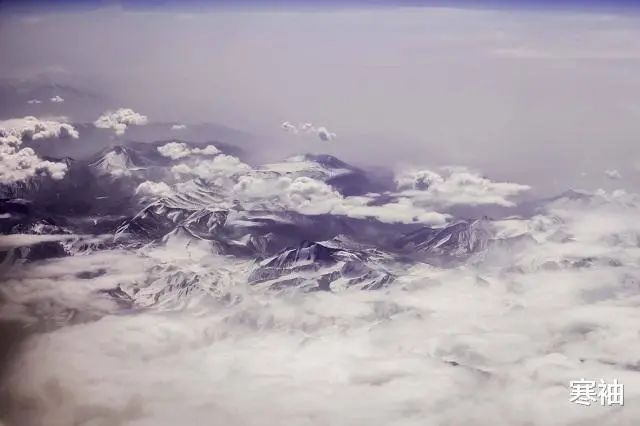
538,96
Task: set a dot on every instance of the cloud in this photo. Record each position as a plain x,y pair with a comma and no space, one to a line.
57,99
177,150
402,210
325,134
613,174
17,164
33,128
259,189
421,193
255,187
154,189
120,119
174,150
20,165
456,186
34,101
310,196
24,240
216,170
308,129
178,127
288,127
545,320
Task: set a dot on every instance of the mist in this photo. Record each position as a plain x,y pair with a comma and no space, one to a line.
311,214
513,92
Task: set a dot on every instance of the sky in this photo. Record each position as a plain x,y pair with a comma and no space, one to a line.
543,94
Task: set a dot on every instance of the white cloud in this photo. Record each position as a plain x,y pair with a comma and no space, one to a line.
288,127
310,196
420,180
120,119
208,150
154,189
178,127
252,187
218,169
33,128
308,129
325,134
174,150
503,338
177,150
21,164
456,186
613,174
34,101
57,99
25,240
402,210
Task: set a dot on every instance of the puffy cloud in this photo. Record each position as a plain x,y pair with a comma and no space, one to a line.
178,127
21,164
57,99
309,129
456,186
253,187
311,196
34,101
177,150
401,210
217,169
288,127
154,189
276,191
120,119
174,150
33,128
325,134
613,174
419,180
208,150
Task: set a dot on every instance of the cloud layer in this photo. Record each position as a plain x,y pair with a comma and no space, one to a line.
456,186
501,338
295,185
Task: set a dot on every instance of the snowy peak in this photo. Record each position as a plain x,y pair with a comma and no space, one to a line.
321,167
307,253
118,161
314,266
460,239
345,178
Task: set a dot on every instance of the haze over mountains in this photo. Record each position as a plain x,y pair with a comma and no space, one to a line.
317,215
195,260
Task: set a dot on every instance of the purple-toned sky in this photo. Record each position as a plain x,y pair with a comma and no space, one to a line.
545,93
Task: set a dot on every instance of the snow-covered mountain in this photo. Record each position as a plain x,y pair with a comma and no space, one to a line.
345,178
457,240
190,250
314,266
182,197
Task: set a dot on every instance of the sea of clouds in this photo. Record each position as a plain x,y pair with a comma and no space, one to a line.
494,341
